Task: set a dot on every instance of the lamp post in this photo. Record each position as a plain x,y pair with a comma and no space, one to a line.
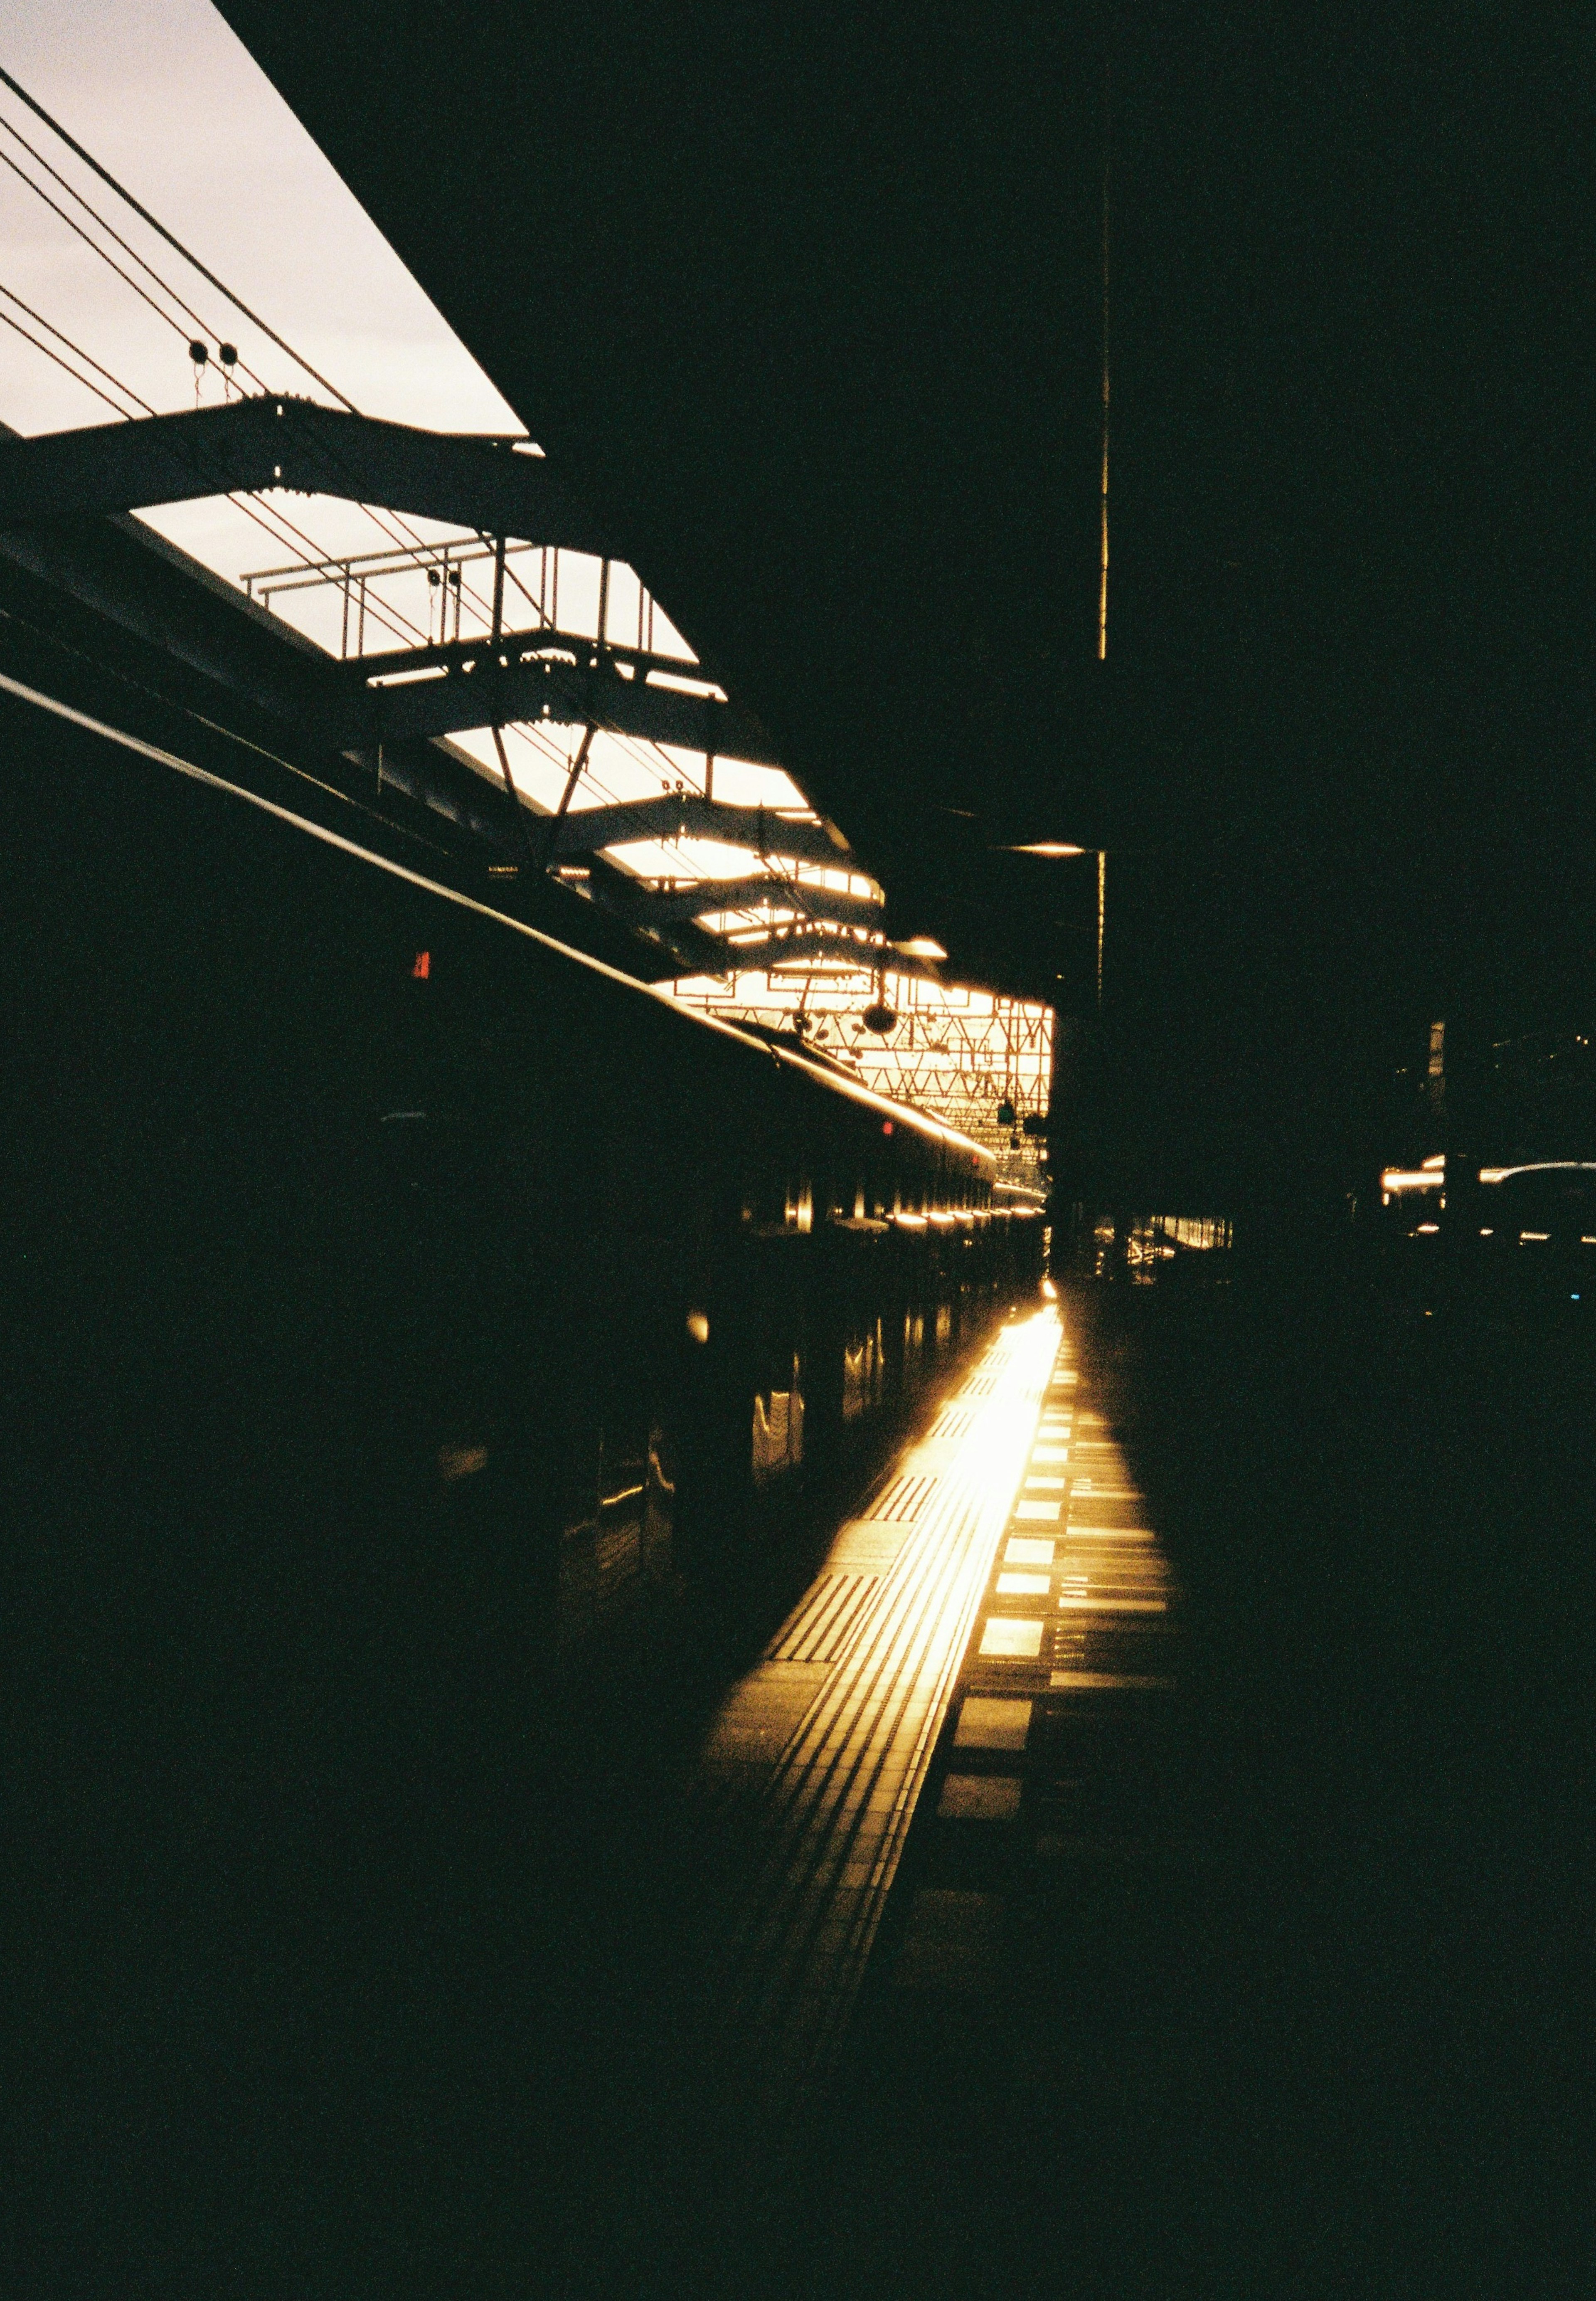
1056,851
1052,850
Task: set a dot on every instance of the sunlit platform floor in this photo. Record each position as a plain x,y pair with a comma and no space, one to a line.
934,1835
823,1753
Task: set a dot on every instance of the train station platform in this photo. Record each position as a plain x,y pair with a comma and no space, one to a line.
933,1841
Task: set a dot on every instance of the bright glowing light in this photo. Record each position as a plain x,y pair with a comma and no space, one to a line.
1051,848
1540,1167
955,1052
1412,1179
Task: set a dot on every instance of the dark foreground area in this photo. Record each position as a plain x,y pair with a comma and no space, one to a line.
1371,1965
482,2057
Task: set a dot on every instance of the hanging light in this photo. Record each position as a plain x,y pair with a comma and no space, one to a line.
878,1017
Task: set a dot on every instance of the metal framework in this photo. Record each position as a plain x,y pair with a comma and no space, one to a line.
526,620
473,669
956,1052
490,487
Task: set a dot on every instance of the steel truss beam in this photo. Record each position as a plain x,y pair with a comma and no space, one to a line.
477,690
817,936
746,894
254,445
686,816
490,487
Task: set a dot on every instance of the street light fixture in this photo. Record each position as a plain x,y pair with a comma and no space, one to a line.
1054,851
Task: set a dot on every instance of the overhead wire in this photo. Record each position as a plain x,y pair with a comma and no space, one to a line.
260,513
408,538
110,230
172,242
76,349
403,625
104,256
277,524
401,533
285,531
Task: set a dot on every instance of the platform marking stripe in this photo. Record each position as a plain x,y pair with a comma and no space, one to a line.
819,1628
904,1498
815,1783
844,1791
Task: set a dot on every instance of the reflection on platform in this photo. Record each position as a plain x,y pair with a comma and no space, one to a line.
826,1744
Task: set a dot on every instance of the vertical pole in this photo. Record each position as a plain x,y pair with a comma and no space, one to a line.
1102,893
603,602
551,836
1103,495
498,587
517,812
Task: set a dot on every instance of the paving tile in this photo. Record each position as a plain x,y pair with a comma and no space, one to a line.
992,1722
868,1546
980,1797
1022,1585
1029,1549
756,1724
1113,1605
1012,1637
1047,1511
1102,1681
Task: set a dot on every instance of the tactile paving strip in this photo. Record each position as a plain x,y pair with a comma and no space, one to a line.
839,1802
903,1498
820,1627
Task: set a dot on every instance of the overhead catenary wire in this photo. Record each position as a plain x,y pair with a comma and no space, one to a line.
400,532
72,224
194,318
76,349
189,314
398,629
172,242
277,523
267,518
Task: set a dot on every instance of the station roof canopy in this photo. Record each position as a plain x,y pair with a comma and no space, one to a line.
418,598
531,653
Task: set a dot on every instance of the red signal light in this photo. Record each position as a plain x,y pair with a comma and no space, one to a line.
886,1126
424,966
